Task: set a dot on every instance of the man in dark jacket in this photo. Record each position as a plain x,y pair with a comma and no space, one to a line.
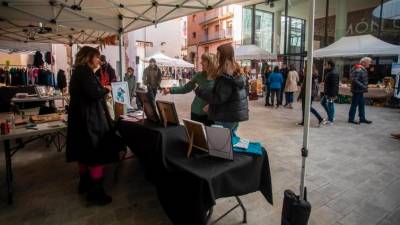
331,90
359,85
284,71
152,78
228,103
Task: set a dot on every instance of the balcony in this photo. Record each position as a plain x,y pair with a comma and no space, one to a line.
216,36
215,15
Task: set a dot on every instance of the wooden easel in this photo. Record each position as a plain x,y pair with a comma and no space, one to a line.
190,147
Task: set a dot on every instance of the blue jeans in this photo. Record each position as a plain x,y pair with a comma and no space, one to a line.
289,97
276,92
329,107
357,101
233,126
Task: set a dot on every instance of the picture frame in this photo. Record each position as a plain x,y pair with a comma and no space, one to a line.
41,91
167,112
219,142
120,92
196,135
149,106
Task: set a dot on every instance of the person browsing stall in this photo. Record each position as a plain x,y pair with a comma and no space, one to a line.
275,81
90,135
228,103
152,78
203,79
130,78
331,90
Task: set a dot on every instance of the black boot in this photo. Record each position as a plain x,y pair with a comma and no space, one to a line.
97,195
84,183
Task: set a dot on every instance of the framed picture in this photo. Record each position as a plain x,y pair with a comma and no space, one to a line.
41,91
167,112
196,133
149,107
120,93
219,141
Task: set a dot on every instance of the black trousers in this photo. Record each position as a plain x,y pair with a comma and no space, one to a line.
267,94
277,93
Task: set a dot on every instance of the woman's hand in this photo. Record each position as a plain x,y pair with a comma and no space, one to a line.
166,91
108,88
205,108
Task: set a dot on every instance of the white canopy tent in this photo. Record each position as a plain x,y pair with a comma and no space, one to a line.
164,60
253,52
113,16
119,16
355,46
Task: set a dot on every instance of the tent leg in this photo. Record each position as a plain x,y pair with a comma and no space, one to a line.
307,95
120,56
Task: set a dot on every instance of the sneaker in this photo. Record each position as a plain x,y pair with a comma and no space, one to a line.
322,123
329,123
366,121
397,136
300,124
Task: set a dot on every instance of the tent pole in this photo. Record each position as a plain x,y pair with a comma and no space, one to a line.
120,57
121,42
307,95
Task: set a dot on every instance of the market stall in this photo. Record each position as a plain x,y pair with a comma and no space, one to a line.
253,52
359,46
173,69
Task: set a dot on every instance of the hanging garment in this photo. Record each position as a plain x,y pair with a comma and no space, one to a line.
49,58
38,59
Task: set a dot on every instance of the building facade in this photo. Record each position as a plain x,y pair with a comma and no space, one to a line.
207,30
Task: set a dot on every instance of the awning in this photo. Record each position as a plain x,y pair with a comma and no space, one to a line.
356,46
164,60
28,31
253,52
105,15
18,47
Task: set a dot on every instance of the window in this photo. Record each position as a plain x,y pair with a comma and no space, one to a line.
194,18
206,49
216,27
262,28
194,34
229,24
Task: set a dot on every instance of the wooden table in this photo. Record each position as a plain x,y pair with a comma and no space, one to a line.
52,131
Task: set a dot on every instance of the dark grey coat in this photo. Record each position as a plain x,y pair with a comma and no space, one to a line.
227,99
359,79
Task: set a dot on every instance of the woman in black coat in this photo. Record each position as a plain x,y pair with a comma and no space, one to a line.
90,132
228,103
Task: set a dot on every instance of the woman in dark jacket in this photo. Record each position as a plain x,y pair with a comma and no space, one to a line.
331,90
228,103
89,126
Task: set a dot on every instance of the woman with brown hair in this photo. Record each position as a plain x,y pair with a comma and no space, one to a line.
228,104
91,138
203,79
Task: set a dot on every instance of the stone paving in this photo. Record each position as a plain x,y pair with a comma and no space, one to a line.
353,176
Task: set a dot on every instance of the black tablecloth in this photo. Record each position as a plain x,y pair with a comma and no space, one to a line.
188,188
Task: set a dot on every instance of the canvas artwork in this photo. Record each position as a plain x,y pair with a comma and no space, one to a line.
120,92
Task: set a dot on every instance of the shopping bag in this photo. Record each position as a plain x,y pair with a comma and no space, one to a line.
295,211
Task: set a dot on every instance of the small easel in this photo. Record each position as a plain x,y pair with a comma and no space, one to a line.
190,147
